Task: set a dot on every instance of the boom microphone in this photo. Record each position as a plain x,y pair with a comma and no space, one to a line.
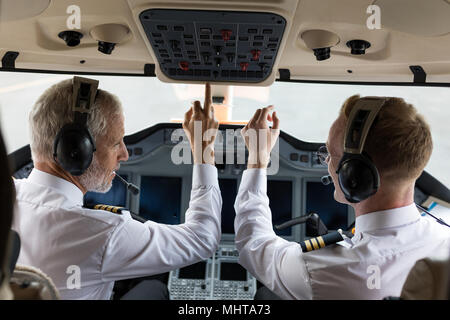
131,187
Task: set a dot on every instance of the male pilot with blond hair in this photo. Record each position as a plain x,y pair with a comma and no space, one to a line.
64,239
390,234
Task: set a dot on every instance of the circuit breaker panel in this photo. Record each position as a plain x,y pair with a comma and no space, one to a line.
214,45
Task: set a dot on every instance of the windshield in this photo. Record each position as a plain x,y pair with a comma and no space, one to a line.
306,110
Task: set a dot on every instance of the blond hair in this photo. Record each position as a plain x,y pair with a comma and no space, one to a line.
53,110
399,142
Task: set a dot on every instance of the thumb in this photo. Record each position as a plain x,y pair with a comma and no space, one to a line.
276,121
187,116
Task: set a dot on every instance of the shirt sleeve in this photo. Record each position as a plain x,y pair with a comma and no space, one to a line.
138,249
277,263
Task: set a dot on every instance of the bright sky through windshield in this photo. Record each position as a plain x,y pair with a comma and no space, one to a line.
306,111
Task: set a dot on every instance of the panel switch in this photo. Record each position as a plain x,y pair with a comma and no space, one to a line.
174,44
226,34
184,65
255,54
244,66
205,56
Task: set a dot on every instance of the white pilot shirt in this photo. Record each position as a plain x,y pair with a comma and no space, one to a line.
62,238
373,264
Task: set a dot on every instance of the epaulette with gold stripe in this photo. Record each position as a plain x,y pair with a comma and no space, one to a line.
113,209
321,241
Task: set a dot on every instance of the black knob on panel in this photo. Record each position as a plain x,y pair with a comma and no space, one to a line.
322,53
358,46
72,38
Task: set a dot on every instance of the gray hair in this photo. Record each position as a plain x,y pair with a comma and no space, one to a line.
53,110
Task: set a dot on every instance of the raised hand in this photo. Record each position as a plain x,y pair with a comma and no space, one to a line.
260,138
200,127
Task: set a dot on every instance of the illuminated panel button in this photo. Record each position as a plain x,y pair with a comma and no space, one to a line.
304,158
293,156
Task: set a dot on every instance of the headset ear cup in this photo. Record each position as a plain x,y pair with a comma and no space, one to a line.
358,178
74,149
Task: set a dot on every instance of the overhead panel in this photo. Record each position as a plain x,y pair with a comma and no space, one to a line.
214,45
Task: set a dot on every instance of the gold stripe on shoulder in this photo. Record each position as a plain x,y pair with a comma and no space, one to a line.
315,244
321,242
106,207
308,245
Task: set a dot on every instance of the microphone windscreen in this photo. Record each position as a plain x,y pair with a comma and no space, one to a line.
134,189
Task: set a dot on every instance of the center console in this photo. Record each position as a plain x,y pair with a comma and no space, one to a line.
218,278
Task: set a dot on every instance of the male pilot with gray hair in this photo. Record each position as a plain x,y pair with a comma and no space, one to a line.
61,237
373,166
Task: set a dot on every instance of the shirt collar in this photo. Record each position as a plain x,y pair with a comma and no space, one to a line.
386,218
59,185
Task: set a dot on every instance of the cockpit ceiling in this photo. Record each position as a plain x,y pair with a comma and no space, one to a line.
411,33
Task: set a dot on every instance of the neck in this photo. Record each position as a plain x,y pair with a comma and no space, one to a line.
386,198
54,169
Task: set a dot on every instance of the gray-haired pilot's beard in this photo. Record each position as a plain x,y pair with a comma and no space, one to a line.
96,178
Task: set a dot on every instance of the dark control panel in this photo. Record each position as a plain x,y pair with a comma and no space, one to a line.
214,45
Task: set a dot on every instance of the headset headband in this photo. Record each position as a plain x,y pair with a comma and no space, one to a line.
359,122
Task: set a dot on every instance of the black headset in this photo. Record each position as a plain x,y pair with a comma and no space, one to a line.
74,147
358,176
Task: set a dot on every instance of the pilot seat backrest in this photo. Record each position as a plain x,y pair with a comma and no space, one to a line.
429,279
16,282
7,195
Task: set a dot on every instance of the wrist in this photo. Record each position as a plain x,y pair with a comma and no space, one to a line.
204,158
257,161
257,166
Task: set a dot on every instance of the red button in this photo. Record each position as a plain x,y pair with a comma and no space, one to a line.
255,54
244,66
184,65
226,34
